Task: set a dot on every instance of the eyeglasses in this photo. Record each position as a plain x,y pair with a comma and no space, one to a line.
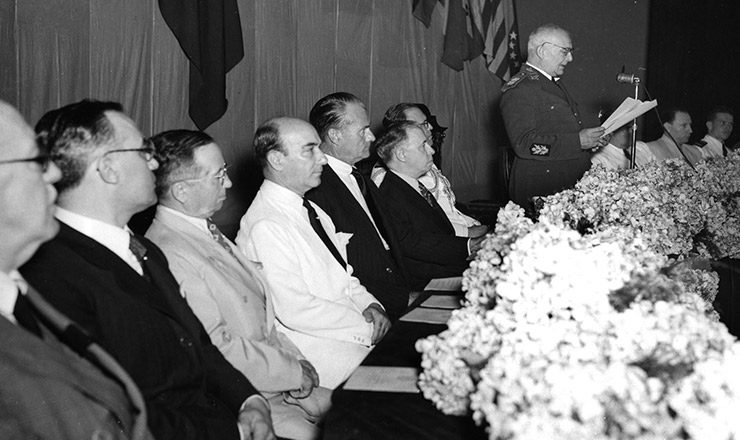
146,152
42,160
220,176
426,124
565,50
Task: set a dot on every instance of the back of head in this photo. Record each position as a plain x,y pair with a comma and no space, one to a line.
328,112
266,139
394,136
71,133
175,152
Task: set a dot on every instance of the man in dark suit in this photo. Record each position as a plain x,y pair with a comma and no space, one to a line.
119,288
543,121
47,390
406,152
379,248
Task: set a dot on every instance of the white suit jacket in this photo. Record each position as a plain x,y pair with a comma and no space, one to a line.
318,303
229,297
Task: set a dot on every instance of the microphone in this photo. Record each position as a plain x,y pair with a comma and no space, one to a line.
627,78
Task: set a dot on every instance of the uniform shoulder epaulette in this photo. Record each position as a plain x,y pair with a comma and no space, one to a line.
516,79
700,144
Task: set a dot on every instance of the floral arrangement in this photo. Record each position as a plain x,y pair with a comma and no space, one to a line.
679,211
567,335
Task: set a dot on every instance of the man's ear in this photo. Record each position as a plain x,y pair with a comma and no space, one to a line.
399,153
108,170
334,135
276,159
179,192
666,126
709,126
540,51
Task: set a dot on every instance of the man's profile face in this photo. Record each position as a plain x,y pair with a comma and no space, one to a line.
303,160
27,194
680,128
207,190
137,177
721,126
556,53
355,134
418,152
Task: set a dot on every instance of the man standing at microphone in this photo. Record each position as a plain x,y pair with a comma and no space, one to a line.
543,122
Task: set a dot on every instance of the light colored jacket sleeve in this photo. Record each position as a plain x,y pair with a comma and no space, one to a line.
327,314
269,365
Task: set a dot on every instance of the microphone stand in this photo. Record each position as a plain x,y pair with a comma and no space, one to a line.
633,146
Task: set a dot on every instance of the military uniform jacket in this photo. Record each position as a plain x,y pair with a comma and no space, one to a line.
543,122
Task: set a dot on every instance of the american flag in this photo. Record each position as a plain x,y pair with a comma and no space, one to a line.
497,21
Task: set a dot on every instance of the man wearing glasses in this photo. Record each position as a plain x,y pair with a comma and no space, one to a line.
225,290
118,286
543,122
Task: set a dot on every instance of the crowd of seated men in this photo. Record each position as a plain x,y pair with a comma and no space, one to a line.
181,333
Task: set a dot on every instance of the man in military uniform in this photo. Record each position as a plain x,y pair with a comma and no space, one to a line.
543,122
720,122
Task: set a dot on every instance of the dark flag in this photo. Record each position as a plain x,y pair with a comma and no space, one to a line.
463,40
210,34
423,10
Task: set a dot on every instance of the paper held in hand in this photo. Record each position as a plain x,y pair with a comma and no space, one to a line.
628,110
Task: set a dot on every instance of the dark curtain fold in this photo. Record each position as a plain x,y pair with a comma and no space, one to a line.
210,34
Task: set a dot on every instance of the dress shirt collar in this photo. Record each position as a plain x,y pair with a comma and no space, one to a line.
343,169
713,141
8,293
548,76
413,183
282,195
200,223
112,237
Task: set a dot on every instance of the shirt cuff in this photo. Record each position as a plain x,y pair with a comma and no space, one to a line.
249,399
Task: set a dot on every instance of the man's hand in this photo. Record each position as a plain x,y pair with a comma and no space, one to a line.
375,314
309,381
591,138
477,231
474,244
254,420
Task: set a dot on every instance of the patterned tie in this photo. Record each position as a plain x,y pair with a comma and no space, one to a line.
24,314
426,194
220,238
313,218
139,250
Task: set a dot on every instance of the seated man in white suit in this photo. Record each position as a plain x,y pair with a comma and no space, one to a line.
319,305
224,289
616,154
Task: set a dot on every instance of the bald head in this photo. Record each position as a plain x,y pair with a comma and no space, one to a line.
288,150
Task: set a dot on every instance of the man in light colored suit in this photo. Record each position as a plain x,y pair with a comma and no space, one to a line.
319,304
47,390
676,132
225,289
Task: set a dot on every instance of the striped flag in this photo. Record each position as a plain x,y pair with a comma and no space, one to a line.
497,21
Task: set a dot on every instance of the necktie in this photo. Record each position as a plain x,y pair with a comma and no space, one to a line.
221,239
313,218
360,181
139,250
724,149
426,194
23,313
627,154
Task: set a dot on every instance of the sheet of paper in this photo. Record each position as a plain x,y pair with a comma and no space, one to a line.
443,302
385,379
628,110
430,316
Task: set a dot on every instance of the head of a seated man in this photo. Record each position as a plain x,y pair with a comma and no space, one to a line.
407,111
342,122
103,156
288,150
720,123
550,49
191,177
677,122
405,149
27,193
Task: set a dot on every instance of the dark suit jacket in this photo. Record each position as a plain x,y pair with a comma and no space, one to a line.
543,122
191,391
428,238
377,269
48,391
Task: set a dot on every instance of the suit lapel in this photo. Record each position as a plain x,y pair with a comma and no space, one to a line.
436,214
